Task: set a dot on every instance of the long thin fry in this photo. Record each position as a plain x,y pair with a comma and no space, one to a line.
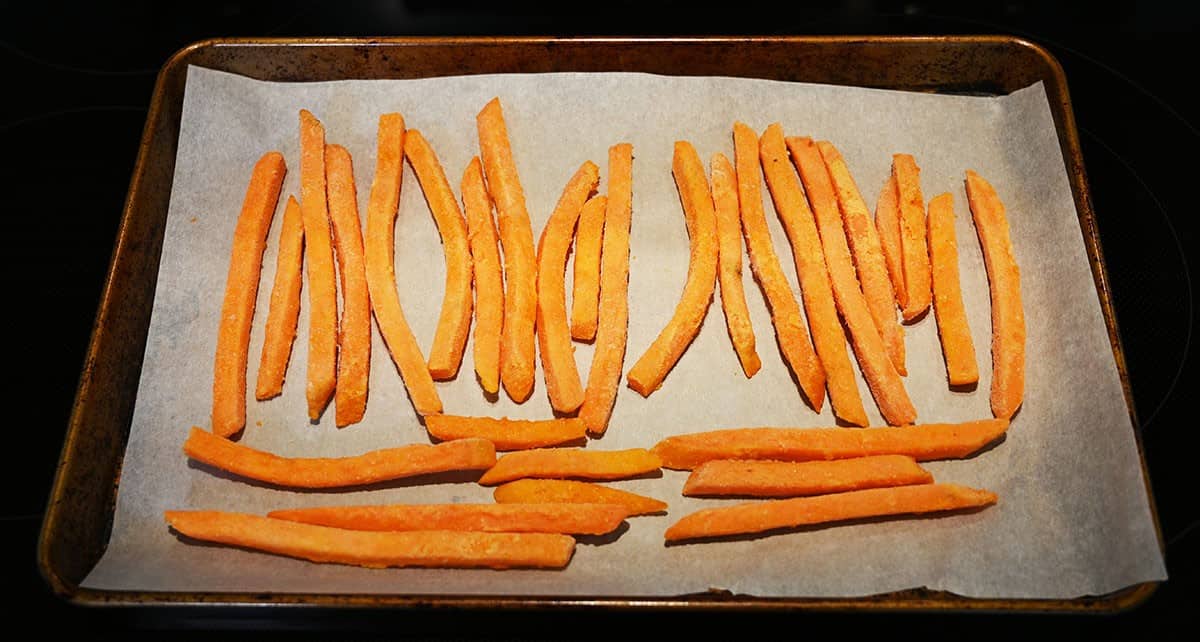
560,463
923,442
241,291
573,519
735,477
729,264
757,517
516,238
381,270
957,346
284,313
429,549
1004,281
325,472
454,324
612,331
887,224
534,491
865,247
318,255
815,278
649,371
917,279
507,434
554,336
489,277
793,339
354,344
585,295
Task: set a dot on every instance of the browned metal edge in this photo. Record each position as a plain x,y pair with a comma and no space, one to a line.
911,600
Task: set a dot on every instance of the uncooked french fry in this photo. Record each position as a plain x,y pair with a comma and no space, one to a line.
429,549
507,434
649,371
241,291
381,270
554,336
284,312
793,339
751,478
489,277
1004,282
354,328
535,491
589,235
957,346
560,463
318,255
325,472
915,254
887,223
516,238
757,517
729,264
922,442
572,519
454,324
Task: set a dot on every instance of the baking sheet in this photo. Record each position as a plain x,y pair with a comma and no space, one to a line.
1073,517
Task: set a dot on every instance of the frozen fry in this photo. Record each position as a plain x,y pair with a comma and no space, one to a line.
284,312
572,519
507,434
318,254
887,223
589,236
729,264
560,463
751,478
535,491
957,346
354,339
915,254
489,277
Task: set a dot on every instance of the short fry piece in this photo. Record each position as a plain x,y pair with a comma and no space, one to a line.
559,463
454,324
284,312
574,519
489,277
429,549
354,342
734,477
241,292
586,283
554,336
922,442
507,434
957,346
757,517
322,280
917,279
729,264
324,472
1004,282
648,373
887,223
535,491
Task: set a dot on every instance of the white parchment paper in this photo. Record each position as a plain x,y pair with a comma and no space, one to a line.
1073,517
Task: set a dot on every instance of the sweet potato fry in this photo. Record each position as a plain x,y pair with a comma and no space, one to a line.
613,329
922,442
793,339
957,346
649,371
729,264
284,312
507,434
554,336
429,549
887,223
354,328
815,280
560,463
381,269
865,247
516,238
917,279
241,291
536,491
454,324
318,255
757,517
489,277
572,519
1004,281
324,472
735,477
585,296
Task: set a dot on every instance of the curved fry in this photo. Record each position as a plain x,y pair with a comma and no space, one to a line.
489,277
589,236
284,312
354,345
729,264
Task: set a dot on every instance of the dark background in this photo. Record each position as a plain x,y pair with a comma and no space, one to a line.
77,80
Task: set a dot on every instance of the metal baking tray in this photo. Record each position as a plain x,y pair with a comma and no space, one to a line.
79,515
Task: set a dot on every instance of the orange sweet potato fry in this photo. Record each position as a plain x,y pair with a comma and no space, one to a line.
887,223
957,346
323,472
758,517
586,282
554,336
284,312
922,442
560,463
241,290
429,549
649,371
454,324
489,277
507,434
536,491
1004,282
322,280
572,519
917,278
752,478
729,264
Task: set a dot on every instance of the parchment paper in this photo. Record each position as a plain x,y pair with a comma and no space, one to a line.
1073,517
